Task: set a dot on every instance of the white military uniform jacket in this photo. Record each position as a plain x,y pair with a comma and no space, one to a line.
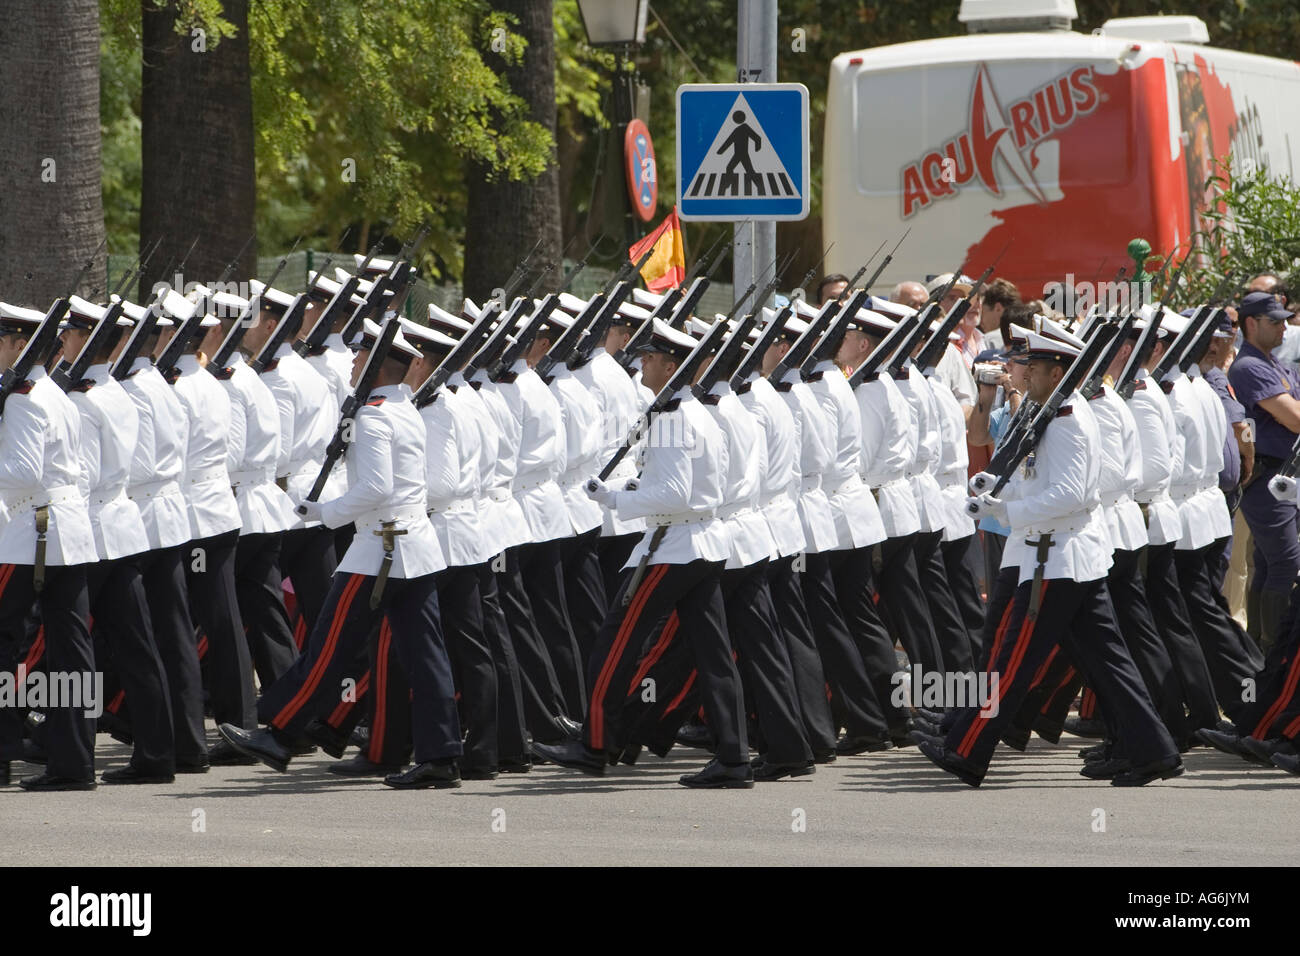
40,465
541,452
751,539
857,518
1121,470
1196,489
109,428
779,482
815,431
254,451
1216,429
508,520
386,482
953,461
309,415
453,470
1060,493
580,416
1161,446
888,450
335,366
159,460
681,486
620,404
206,482
929,449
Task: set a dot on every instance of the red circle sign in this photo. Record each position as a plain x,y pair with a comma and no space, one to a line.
642,173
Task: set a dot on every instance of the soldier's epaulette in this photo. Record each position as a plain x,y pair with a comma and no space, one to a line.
1167,387
23,387
744,387
507,378
902,375
377,400
1140,385
1095,395
1064,410
84,385
783,386
271,365
672,405
224,374
711,399
815,376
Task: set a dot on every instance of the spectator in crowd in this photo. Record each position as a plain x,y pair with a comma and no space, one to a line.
986,425
1238,452
952,369
831,287
910,294
999,296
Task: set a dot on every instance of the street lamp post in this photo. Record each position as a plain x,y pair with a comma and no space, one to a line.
619,24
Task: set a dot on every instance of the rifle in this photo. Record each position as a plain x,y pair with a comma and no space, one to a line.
285,330
497,340
1126,384
71,373
597,331
881,354
457,357
884,264
1197,346
1097,378
676,304
724,362
236,334
834,334
684,376
360,395
139,335
803,345
1032,433
315,340
516,349
400,278
1176,348
181,338
935,346
754,358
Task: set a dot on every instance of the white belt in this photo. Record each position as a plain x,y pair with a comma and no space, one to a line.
498,495
732,510
780,497
1158,497
1110,499
809,483
685,517
152,489
255,477
573,479
304,469
892,483
529,484
204,475
1063,525
60,495
1185,490
851,483
98,501
407,514
449,506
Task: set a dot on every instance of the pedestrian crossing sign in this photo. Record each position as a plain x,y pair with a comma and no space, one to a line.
742,151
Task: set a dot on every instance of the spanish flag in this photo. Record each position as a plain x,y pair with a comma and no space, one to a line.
666,267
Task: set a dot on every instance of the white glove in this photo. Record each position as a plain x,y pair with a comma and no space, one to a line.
599,492
1282,488
309,510
982,482
632,484
986,506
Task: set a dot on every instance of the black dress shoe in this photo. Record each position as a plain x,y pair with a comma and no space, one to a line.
478,773
258,743
1084,727
630,755
221,754
918,737
824,756
440,776
1230,744
1047,729
360,736
946,760
933,716
327,738
718,776
514,765
1106,769
574,755
1264,749
130,774
847,746
1288,762
1141,776
48,782
1097,752
193,766
697,736
775,771
1017,738
926,726
363,766
571,729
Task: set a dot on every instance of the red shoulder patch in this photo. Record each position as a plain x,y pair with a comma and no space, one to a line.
24,387
84,385
1064,410
1140,386
376,401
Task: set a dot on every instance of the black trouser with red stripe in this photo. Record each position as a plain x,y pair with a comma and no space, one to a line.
116,598
902,602
1231,656
809,677
261,605
856,591
854,705
543,573
69,732
210,581
511,730
163,576
613,551
1275,711
542,697
1173,621
584,594
961,560
308,560
949,627
694,591
314,685
1079,615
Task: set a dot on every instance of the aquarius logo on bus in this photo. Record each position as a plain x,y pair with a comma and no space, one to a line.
995,133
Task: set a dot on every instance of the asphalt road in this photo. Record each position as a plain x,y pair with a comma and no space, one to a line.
888,808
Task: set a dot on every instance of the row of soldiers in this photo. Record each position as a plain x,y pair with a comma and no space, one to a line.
507,570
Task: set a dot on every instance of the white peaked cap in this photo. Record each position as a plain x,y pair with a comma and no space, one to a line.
1056,330
373,330
270,294
441,318
421,334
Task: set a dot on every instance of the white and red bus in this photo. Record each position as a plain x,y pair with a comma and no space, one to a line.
1065,145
